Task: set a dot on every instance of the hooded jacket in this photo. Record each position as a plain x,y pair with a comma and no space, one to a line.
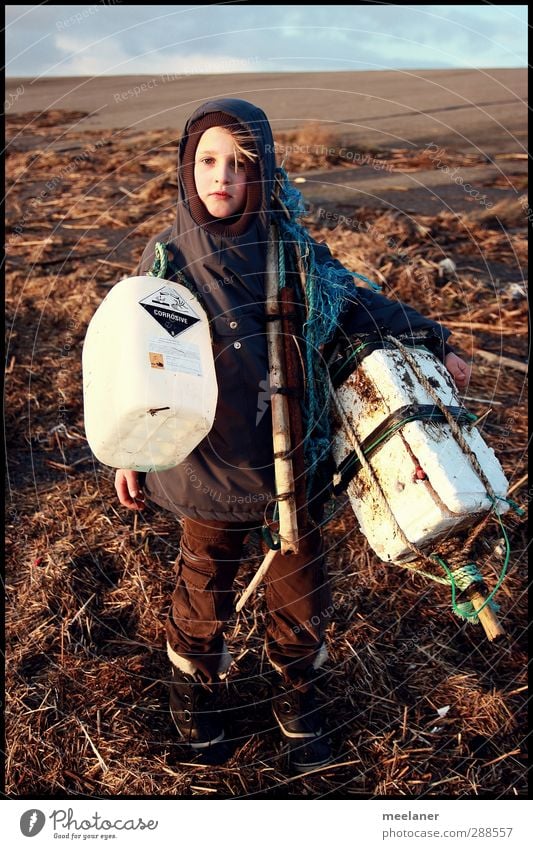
230,474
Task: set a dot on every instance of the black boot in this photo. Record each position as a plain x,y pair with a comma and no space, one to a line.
300,720
192,707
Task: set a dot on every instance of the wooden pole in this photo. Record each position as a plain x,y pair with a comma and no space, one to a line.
288,524
286,425
256,580
477,594
295,384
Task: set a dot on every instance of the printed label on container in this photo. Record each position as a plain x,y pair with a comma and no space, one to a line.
170,310
174,356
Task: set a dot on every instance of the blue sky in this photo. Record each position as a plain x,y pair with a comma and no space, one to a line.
116,38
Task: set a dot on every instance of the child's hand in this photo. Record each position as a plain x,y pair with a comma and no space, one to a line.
128,490
459,370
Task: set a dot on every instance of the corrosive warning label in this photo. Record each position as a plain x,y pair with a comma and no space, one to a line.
170,310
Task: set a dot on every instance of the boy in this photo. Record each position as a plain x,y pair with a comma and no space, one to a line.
218,240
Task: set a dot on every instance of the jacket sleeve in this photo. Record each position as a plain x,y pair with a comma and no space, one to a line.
369,311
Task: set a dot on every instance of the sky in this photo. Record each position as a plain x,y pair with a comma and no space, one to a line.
116,38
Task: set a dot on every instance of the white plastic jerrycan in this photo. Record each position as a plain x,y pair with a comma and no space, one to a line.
149,382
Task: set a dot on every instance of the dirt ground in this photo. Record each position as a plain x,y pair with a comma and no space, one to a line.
461,108
88,584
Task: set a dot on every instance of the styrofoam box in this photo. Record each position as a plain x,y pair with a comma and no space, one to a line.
427,510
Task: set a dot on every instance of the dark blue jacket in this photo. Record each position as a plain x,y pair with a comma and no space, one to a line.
230,475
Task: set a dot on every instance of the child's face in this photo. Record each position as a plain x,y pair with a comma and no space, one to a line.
220,188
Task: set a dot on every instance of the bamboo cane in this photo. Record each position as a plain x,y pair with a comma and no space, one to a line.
284,475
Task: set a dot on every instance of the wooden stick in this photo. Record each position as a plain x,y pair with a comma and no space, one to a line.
294,424
481,400
479,325
518,483
505,362
72,257
288,525
288,305
256,580
487,617
114,265
127,192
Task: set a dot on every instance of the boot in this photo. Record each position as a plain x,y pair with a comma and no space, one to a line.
302,726
192,707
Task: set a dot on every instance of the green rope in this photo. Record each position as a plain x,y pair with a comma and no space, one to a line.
414,418
272,538
468,574
159,268
518,510
461,578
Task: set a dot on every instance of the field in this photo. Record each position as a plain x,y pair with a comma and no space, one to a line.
420,703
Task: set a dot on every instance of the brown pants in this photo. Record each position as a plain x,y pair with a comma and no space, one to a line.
296,589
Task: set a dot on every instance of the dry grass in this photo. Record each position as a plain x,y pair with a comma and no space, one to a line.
88,584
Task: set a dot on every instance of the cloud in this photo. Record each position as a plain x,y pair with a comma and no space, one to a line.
84,57
77,55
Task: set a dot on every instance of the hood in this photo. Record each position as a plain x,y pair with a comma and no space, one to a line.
215,253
